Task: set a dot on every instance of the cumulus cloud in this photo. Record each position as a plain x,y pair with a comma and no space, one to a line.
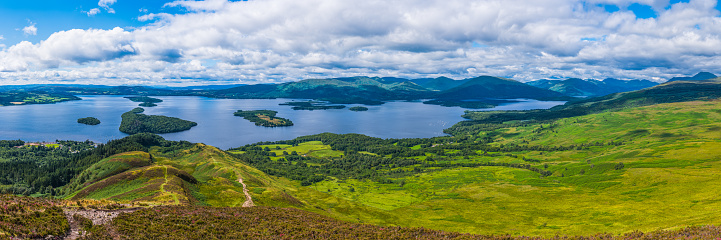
284,40
93,12
30,30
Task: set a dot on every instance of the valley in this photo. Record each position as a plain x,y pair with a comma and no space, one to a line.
614,165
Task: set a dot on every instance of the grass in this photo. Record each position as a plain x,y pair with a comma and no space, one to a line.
670,156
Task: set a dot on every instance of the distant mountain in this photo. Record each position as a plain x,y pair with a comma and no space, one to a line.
438,84
494,87
341,90
698,76
590,87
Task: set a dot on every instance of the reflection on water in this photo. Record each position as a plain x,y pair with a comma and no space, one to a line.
218,127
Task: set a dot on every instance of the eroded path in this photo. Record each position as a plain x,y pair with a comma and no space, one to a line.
248,199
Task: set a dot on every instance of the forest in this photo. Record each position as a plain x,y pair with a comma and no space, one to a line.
135,121
265,118
43,171
379,159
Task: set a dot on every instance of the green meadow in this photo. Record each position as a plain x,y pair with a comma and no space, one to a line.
659,173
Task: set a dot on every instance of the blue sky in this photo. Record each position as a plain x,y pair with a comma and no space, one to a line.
154,42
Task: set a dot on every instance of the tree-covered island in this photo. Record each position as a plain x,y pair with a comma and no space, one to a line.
358,109
89,121
145,101
265,118
312,105
135,121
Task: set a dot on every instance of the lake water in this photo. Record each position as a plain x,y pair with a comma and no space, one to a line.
218,127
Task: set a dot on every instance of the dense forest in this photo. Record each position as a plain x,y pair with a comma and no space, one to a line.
265,118
378,159
89,121
135,121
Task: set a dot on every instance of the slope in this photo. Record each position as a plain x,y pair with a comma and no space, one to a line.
698,76
492,87
590,87
677,91
643,168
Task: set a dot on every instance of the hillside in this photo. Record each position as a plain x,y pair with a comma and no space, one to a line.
636,168
590,87
677,91
493,87
698,76
438,84
610,172
33,97
349,90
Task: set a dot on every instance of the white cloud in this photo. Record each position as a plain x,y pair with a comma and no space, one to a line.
282,40
106,5
93,12
30,30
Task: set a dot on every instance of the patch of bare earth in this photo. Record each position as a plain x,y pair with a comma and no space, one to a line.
99,217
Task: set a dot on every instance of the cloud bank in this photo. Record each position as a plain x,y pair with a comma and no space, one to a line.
217,41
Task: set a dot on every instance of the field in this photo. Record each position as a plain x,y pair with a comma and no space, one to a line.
648,168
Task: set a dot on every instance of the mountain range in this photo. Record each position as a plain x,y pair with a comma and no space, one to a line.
591,87
482,91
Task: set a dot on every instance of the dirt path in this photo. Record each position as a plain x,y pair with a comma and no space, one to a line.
98,217
248,199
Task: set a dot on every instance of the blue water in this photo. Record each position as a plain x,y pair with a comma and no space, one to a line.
218,127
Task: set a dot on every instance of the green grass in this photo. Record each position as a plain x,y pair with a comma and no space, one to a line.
670,155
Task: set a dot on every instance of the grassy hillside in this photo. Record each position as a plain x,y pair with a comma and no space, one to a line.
107,167
26,218
647,168
590,87
678,91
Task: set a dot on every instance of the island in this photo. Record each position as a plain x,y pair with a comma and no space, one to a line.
358,109
145,101
135,121
31,97
265,118
312,105
89,121
147,104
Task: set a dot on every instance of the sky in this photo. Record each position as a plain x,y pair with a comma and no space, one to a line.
180,43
